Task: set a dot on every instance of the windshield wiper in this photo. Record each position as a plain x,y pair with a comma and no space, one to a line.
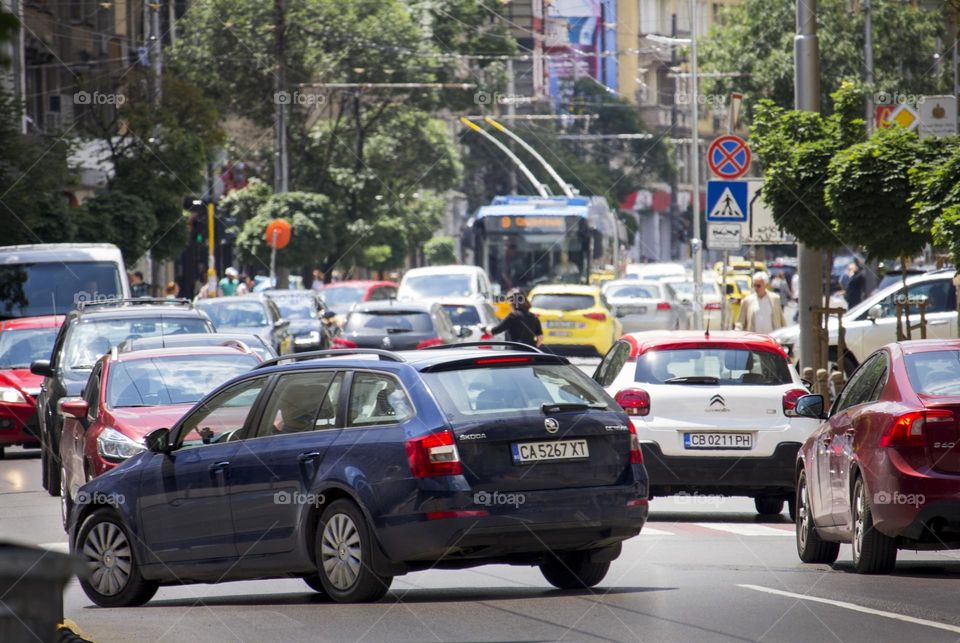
693,379
560,407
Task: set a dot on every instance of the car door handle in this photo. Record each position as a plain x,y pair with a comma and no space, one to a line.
218,467
305,457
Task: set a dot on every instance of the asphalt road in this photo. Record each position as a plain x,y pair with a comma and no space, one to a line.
704,569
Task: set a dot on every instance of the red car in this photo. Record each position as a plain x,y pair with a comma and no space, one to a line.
22,341
130,394
339,296
882,471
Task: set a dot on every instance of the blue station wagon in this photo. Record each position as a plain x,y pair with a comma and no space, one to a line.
347,468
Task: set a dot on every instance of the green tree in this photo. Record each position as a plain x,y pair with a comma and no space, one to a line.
755,41
440,251
795,149
935,199
869,192
122,219
312,237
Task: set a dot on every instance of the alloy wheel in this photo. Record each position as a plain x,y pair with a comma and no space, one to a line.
340,552
858,505
107,550
803,514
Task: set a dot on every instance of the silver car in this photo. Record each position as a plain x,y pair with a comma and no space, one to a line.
472,314
645,305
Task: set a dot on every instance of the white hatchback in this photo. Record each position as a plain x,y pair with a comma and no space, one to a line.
714,413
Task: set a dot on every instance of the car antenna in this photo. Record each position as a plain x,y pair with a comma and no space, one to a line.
706,334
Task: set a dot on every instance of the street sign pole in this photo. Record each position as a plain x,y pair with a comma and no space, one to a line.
695,243
211,259
273,259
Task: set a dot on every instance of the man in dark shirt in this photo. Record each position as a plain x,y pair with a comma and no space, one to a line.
520,325
855,286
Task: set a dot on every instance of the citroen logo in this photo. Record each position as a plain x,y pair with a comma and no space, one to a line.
717,399
386,342
551,425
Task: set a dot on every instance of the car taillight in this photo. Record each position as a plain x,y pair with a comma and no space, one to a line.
712,306
790,401
596,316
663,305
340,342
908,429
486,336
427,343
636,455
634,401
434,454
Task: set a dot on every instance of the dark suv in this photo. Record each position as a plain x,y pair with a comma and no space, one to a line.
87,333
347,471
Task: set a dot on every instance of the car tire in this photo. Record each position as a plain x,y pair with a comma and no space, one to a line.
574,571
344,554
104,542
66,502
313,582
2,453
53,467
44,465
768,505
873,552
792,507
810,547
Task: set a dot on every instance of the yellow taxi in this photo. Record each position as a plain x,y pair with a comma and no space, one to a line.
738,287
575,319
740,266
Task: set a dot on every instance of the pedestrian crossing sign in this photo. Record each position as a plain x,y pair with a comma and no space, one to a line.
727,201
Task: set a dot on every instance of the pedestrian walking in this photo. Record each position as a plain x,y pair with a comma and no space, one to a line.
520,325
760,311
230,281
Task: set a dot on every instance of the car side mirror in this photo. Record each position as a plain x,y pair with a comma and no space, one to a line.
281,324
461,331
41,367
875,313
158,441
810,406
76,408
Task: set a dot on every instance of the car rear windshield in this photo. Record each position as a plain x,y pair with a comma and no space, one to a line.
18,348
639,292
343,296
54,288
90,339
935,373
727,365
235,314
463,315
472,392
427,286
562,302
161,381
393,321
297,306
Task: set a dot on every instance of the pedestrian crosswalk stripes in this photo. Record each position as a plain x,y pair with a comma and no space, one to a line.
731,529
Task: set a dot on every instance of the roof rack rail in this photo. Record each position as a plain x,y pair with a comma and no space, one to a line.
142,301
517,345
336,352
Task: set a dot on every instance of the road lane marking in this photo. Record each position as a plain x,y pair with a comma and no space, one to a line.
857,608
60,547
746,529
650,531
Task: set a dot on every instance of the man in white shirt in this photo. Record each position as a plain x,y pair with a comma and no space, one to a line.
760,311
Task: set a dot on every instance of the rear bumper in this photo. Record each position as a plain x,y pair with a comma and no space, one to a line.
19,424
721,475
526,528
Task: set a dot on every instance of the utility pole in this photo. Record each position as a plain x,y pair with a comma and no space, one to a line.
806,80
674,117
281,171
172,17
695,244
156,52
511,112
868,60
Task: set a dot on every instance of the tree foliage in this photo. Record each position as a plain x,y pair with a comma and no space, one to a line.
935,199
795,149
122,219
312,234
869,191
755,40
440,251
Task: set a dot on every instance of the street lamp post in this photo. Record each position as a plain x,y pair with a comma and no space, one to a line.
695,243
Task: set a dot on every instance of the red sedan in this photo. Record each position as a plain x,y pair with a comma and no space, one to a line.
130,394
882,471
22,341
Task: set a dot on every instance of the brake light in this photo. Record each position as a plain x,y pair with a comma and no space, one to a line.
427,343
486,336
908,430
503,360
712,306
636,455
596,316
634,401
340,342
434,454
790,401
663,305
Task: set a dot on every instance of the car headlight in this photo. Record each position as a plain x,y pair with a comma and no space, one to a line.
313,337
10,395
115,446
